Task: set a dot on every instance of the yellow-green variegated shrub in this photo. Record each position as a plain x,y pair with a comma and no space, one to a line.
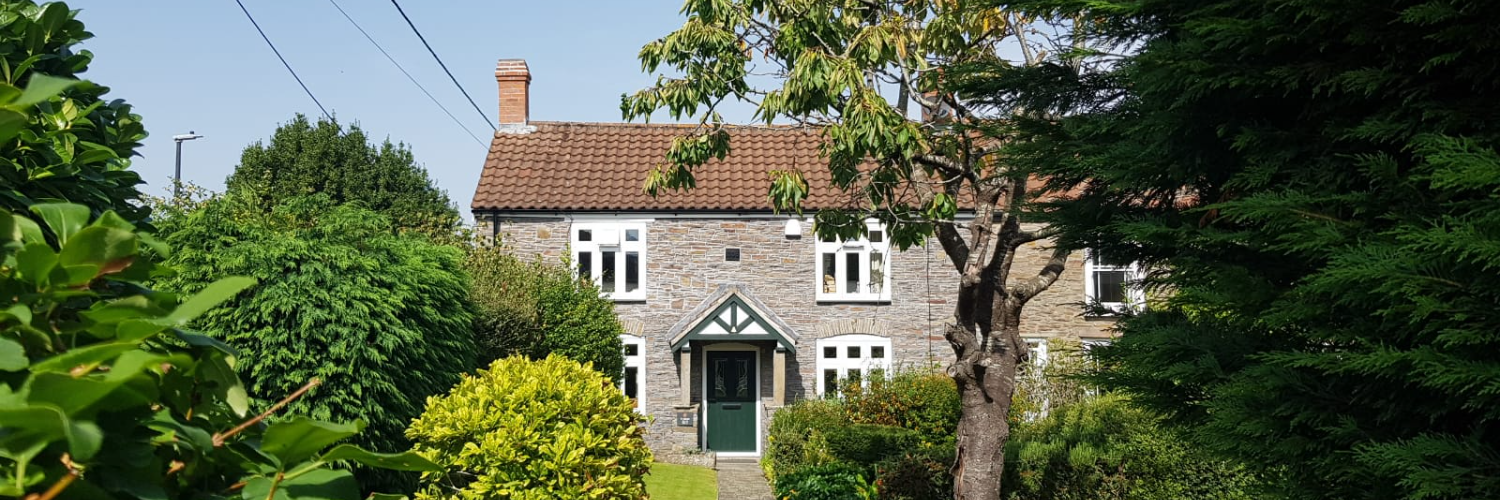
523,429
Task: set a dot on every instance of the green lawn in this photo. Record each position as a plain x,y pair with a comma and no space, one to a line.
682,482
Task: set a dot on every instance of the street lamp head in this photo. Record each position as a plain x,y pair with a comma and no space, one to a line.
186,137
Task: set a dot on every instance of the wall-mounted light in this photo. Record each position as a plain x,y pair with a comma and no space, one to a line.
793,229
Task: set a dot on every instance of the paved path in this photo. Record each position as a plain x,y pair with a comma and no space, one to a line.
743,482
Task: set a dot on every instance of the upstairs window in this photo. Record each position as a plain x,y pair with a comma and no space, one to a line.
850,359
613,255
1111,283
633,381
855,270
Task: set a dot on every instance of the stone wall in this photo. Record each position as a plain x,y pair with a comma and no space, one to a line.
685,263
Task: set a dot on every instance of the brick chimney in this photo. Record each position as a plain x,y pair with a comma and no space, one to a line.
515,100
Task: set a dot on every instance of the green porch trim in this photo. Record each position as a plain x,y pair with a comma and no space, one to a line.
734,320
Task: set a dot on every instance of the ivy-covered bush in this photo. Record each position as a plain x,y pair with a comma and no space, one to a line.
532,429
1104,448
61,140
382,318
105,394
533,309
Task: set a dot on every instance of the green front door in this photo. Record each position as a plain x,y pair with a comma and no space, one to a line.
731,400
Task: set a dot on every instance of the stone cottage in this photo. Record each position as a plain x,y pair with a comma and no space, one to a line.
732,310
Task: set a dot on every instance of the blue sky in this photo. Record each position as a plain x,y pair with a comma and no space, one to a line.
199,65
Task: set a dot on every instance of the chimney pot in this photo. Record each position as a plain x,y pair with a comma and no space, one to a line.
514,79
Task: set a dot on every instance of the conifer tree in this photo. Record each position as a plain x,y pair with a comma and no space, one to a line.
1317,188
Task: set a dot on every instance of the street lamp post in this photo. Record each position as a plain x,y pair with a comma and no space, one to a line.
177,177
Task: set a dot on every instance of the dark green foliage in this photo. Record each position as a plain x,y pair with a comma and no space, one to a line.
835,481
532,309
865,444
1103,448
917,474
1322,180
103,394
382,318
72,147
326,158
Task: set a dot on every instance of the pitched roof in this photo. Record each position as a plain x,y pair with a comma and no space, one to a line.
727,294
563,166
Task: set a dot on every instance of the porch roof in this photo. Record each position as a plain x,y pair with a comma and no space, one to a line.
732,313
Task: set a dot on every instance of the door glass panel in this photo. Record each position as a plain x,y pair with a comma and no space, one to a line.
632,271
719,373
742,390
607,272
586,265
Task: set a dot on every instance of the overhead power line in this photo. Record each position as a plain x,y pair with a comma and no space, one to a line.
408,75
283,59
440,62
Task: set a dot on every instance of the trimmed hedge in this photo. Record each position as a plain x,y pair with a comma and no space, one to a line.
526,429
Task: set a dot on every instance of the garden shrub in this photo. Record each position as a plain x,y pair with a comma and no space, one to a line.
921,474
383,318
533,309
865,444
104,394
788,443
524,429
1104,448
834,481
924,402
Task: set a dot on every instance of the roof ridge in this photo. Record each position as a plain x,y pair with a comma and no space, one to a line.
773,126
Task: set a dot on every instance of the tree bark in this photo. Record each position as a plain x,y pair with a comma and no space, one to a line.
986,377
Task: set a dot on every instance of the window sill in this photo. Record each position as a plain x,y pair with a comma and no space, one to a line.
852,299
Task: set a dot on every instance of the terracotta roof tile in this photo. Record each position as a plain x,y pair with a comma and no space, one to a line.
602,166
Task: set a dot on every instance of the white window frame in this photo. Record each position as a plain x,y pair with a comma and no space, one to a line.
868,291
638,361
1134,294
611,237
866,364
1039,356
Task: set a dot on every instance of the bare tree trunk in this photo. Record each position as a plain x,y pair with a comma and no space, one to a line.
986,384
